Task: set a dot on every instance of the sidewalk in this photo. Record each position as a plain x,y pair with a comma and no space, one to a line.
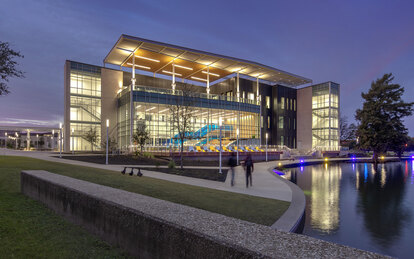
264,183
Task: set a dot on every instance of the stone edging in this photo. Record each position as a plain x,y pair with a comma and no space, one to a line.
291,220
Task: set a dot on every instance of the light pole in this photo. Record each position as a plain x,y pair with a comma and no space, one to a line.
266,144
37,141
237,144
17,135
5,140
60,140
73,142
107,138
53,139
220,145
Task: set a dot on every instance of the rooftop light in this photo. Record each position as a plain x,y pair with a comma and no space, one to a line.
171,73
209,73
145,67
150,59
188,68
197,78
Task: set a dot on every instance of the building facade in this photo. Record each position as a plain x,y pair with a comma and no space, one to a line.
146,82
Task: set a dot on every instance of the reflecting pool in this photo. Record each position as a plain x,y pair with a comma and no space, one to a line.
360,205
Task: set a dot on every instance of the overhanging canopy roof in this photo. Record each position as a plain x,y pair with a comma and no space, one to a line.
158,57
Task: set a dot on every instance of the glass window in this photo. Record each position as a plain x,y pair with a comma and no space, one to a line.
250,96
282,103
268,102
261,121
294,104
280,122
282,141
268,122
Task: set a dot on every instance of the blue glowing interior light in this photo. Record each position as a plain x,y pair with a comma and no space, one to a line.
353,158
301,168
302,161
412,157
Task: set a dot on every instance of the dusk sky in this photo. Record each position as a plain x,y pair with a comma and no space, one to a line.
348,42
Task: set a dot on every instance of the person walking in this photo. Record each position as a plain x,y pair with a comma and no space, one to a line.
232,164
249,167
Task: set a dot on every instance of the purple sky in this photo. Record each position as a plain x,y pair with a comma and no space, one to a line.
348,42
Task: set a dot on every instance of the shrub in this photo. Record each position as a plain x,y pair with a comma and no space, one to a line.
171,164
148,155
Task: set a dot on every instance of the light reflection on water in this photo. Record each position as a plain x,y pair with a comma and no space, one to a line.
360,205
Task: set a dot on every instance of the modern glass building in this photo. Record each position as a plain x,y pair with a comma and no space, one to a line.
144,82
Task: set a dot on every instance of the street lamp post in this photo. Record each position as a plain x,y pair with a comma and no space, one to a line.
5,140
73,142
107,138
37,141
220,145
17,135
266,144
237,144
53,140
60,140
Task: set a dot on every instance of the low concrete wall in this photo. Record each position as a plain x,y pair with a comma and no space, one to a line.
150,228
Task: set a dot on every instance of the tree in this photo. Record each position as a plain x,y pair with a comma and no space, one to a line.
41,141
141,135
381,127
111,144
8,66
181,114
346,131
91,136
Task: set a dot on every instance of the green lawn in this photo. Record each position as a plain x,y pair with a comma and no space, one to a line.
29,229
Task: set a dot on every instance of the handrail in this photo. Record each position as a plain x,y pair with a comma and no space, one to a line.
199,95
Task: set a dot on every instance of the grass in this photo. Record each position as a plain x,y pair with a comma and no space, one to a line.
28,228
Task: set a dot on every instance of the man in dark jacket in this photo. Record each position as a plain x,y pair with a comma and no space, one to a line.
232,164
248,166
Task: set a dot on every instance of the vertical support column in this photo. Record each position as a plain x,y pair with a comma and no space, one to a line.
28,140
208,81
131,99
238,87
173,77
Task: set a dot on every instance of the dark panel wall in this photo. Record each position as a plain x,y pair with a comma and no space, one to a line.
285,130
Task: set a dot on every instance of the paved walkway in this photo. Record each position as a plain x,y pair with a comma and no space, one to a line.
264,183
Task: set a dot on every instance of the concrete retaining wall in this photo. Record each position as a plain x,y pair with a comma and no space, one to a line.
150,228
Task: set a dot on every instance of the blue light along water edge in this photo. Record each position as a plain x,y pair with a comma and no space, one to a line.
360,205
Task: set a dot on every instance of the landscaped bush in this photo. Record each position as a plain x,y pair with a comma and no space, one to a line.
171,164
148,155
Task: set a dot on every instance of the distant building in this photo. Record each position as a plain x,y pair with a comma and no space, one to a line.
30,138
254,99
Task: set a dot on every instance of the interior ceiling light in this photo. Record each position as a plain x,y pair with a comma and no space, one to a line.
150,109
171,73
197,78
145,67
138,106
150,59
209,73
188,68
163,110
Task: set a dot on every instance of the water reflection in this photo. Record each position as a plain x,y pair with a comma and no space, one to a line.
380,201
360,205
323,196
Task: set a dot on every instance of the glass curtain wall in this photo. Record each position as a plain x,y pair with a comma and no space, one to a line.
85,105
204,127
325,115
